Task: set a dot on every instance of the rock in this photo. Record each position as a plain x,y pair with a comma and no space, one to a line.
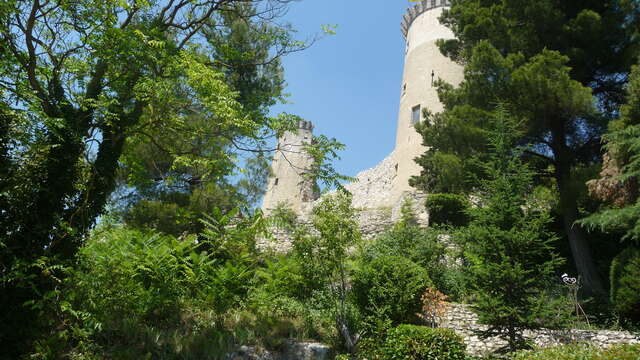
306,351
293,350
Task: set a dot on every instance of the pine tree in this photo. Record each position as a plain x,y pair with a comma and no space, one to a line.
551,61
623,148
508,245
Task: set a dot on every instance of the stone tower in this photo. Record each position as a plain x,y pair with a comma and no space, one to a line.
423,65
386,185
287,184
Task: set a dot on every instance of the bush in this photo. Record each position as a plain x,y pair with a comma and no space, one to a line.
409,342
388,289
447,209
426,247
625,283
283,275
581,352
417,244
145,293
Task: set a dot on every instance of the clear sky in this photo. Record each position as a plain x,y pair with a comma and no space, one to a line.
348,84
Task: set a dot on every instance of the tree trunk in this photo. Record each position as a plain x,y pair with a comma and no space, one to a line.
580,249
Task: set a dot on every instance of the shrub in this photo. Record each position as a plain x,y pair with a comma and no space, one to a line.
434,307
447,209
426,247
625,283
409,342
581,352
283,275
145,293
420,245
389,289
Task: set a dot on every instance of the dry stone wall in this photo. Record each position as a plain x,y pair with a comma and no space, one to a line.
464,322
372,221
292,350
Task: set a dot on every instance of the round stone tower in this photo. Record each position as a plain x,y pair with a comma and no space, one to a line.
288,184
423,65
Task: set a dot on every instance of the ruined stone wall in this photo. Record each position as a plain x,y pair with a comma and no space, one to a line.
372,223
287,183
464,322
386,184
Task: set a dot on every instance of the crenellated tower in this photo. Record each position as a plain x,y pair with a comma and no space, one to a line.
424,64
288,184
386,185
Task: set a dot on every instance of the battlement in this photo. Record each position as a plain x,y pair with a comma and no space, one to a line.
417,10
305,125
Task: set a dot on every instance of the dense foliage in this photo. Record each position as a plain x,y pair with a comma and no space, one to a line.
388,290
581,352
623,150
327,255
447,209
154,99
411,342
625,283
560,67
508,246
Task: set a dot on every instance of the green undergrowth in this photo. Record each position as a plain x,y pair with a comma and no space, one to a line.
582,352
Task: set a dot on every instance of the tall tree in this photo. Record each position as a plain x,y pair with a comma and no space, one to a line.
508,244
550,61
171,194
78,80
618,185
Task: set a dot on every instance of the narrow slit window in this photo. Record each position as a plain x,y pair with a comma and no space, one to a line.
415,115
276,182
404,89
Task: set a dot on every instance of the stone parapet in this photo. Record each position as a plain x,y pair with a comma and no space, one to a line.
417,10
305,125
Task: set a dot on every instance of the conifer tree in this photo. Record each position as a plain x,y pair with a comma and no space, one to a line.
561,66
508,245
623,149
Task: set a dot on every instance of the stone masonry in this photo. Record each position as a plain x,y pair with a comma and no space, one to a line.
289,183
383,188
464,322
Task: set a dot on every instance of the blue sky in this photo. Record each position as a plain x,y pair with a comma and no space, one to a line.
348,84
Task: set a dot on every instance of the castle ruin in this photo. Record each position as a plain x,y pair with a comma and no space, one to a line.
385,186
289,183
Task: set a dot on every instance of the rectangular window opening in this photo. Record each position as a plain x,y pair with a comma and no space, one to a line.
415,115
276,182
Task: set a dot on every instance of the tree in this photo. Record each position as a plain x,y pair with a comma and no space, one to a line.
171,194
508,245
326,256
620,189
550,61
81,81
